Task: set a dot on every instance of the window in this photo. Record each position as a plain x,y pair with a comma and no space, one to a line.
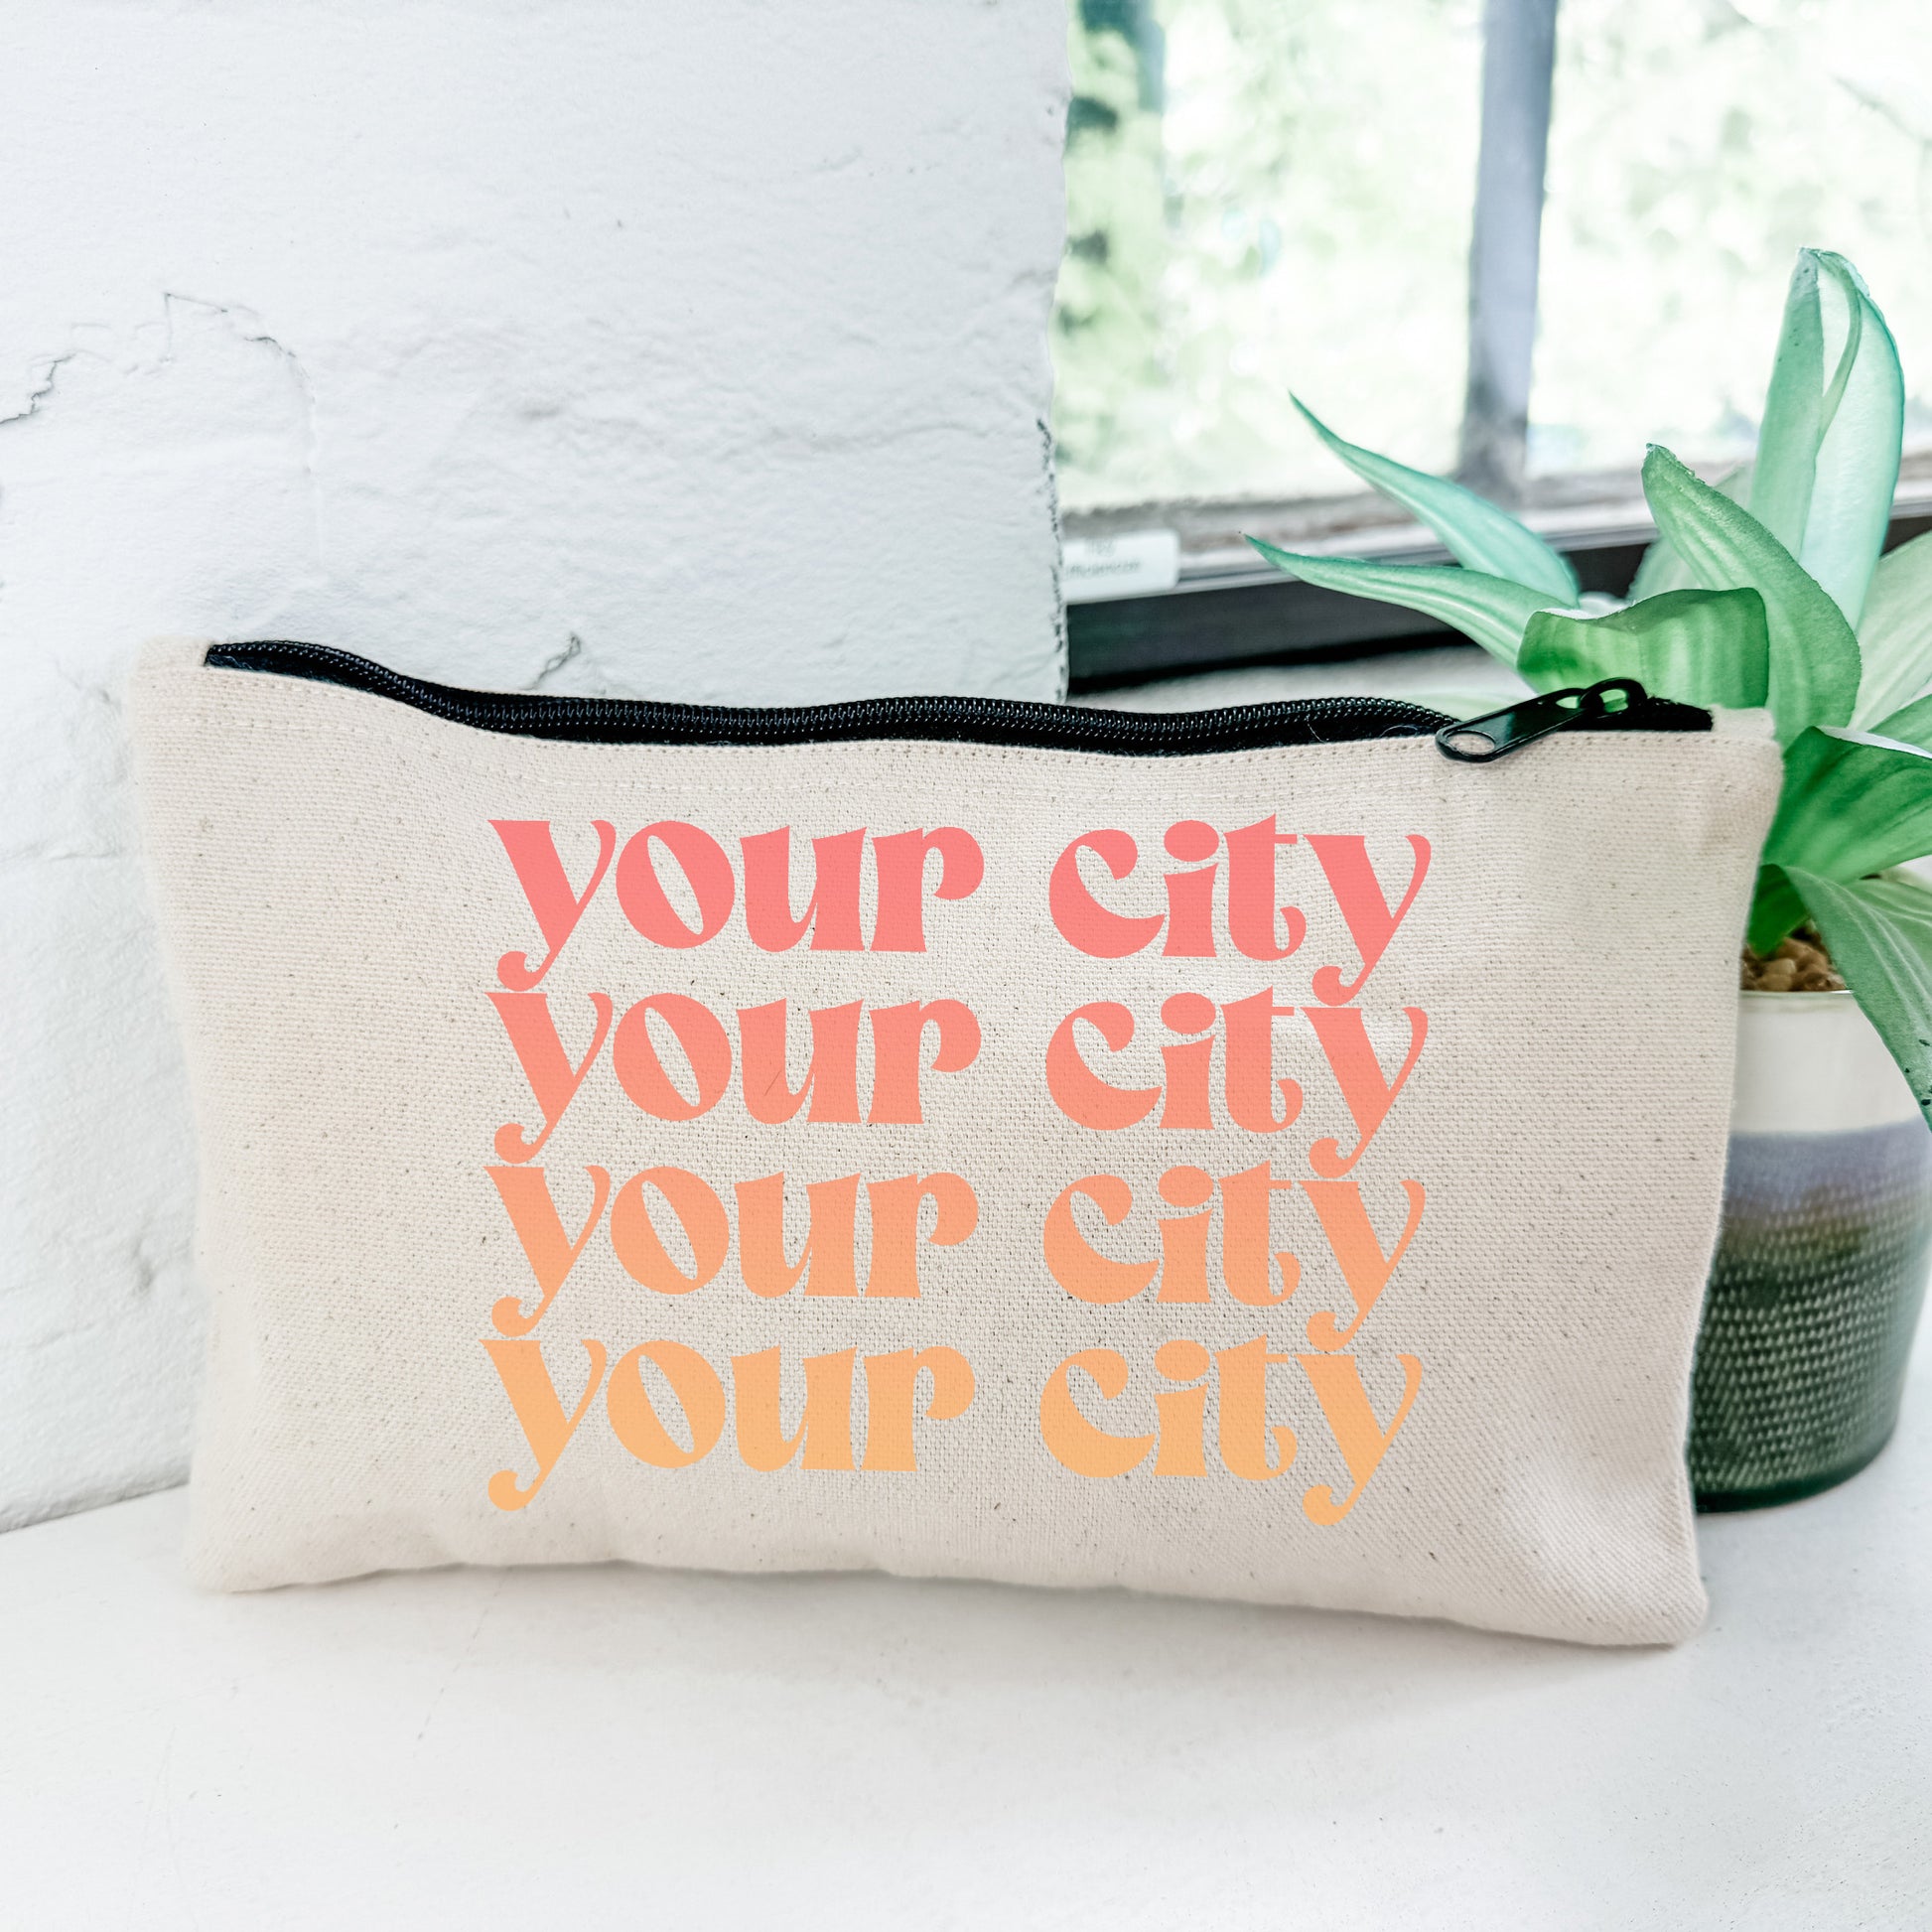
1241,204
1276,195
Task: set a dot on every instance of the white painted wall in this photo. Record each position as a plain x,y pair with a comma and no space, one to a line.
687,351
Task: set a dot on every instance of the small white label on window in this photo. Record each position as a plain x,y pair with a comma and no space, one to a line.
1132,564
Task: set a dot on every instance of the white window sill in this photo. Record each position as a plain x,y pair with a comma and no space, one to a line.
613,1745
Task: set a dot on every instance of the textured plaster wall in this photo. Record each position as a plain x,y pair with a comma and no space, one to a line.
687,351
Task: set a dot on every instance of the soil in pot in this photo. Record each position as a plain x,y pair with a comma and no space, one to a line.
1799,965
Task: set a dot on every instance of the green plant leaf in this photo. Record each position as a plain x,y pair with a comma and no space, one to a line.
1662,569
1895,633
1878,932
1858,457
1834,423
1814,658
1776,911
1909,725
1788,437
1475,532
1852,803
1698,646
1490,610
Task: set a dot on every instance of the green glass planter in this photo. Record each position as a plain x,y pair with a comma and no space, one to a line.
1821,1261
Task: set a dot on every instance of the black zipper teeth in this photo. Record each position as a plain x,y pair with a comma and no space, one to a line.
972,721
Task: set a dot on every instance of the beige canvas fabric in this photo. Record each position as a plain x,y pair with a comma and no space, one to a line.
1079,1307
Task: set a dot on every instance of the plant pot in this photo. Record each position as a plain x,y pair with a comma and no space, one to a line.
1821,1258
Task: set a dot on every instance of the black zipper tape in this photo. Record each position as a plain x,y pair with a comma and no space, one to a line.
970,721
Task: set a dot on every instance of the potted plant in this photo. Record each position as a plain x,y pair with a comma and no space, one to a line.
1772,588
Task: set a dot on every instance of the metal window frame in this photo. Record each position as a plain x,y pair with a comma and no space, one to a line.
1519,53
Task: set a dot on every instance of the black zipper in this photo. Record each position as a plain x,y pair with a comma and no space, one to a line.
1496,734
974,721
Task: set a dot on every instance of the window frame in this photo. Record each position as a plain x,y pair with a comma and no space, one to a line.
1229,610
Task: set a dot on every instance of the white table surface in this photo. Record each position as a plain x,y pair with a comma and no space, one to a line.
625,1748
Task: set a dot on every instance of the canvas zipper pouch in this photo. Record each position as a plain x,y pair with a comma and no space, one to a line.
1249,1153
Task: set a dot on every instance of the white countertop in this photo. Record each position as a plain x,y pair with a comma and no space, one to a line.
611,1746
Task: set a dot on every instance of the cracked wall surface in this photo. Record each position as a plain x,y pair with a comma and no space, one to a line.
684,352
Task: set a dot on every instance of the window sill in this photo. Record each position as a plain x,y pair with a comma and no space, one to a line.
1257,615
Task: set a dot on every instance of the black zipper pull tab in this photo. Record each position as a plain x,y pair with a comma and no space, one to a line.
1496,734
